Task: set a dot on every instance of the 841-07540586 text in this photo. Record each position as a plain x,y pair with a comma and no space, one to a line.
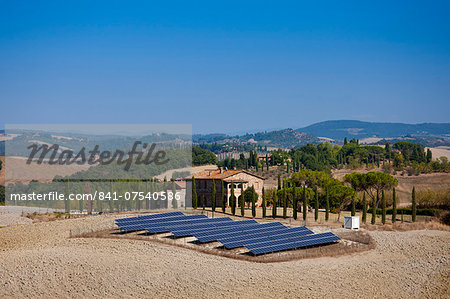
97,195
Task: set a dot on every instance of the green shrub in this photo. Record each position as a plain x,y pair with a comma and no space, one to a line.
408,211
445,218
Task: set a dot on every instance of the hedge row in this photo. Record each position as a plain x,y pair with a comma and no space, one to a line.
408,211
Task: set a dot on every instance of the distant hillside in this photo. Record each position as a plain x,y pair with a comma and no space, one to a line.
287,138
339,129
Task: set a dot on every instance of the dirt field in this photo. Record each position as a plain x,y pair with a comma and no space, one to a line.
19,171
440,151
40,260
433,181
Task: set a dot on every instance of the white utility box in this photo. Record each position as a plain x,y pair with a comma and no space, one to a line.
351,222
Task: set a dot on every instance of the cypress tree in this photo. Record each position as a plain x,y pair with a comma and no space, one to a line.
429,156
254,198
242,201
213,196
204,202
327,207
224,198
305,203
374,209
316,205
364,204
345,141
413,203
233,200
294,202
166,188
287,167
284,198
383,207
274,204
147,202
353,206
67,202
279,182
263,203
174,191
387,148
394,206
194,194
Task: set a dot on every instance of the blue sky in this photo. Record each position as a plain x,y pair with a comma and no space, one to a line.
224,66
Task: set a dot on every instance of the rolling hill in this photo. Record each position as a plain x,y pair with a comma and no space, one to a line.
339,129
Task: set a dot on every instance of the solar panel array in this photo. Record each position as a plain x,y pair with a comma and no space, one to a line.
256,237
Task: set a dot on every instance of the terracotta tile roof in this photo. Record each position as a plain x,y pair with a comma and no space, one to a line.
216,174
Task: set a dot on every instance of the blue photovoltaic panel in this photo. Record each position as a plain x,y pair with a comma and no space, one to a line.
291,243
256,225
252,235
151,216
211,236
183,224
214,236
191,231
158,220
260,237
213,223
142,225
282,239
198,224
131,222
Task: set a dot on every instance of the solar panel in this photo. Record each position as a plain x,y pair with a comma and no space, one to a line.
268,232
184,224
258,238
214,236
291,243
151,216
282,239
264,236
162,220
223,230
143,224
191,231
141,220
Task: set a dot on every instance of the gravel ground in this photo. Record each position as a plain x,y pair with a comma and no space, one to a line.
40,260
13,215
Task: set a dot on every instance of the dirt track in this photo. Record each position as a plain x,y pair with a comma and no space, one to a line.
40,260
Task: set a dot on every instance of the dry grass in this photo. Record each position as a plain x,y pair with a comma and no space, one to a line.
47,217
402,227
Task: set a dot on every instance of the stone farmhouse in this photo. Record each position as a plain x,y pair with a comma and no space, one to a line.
204,181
